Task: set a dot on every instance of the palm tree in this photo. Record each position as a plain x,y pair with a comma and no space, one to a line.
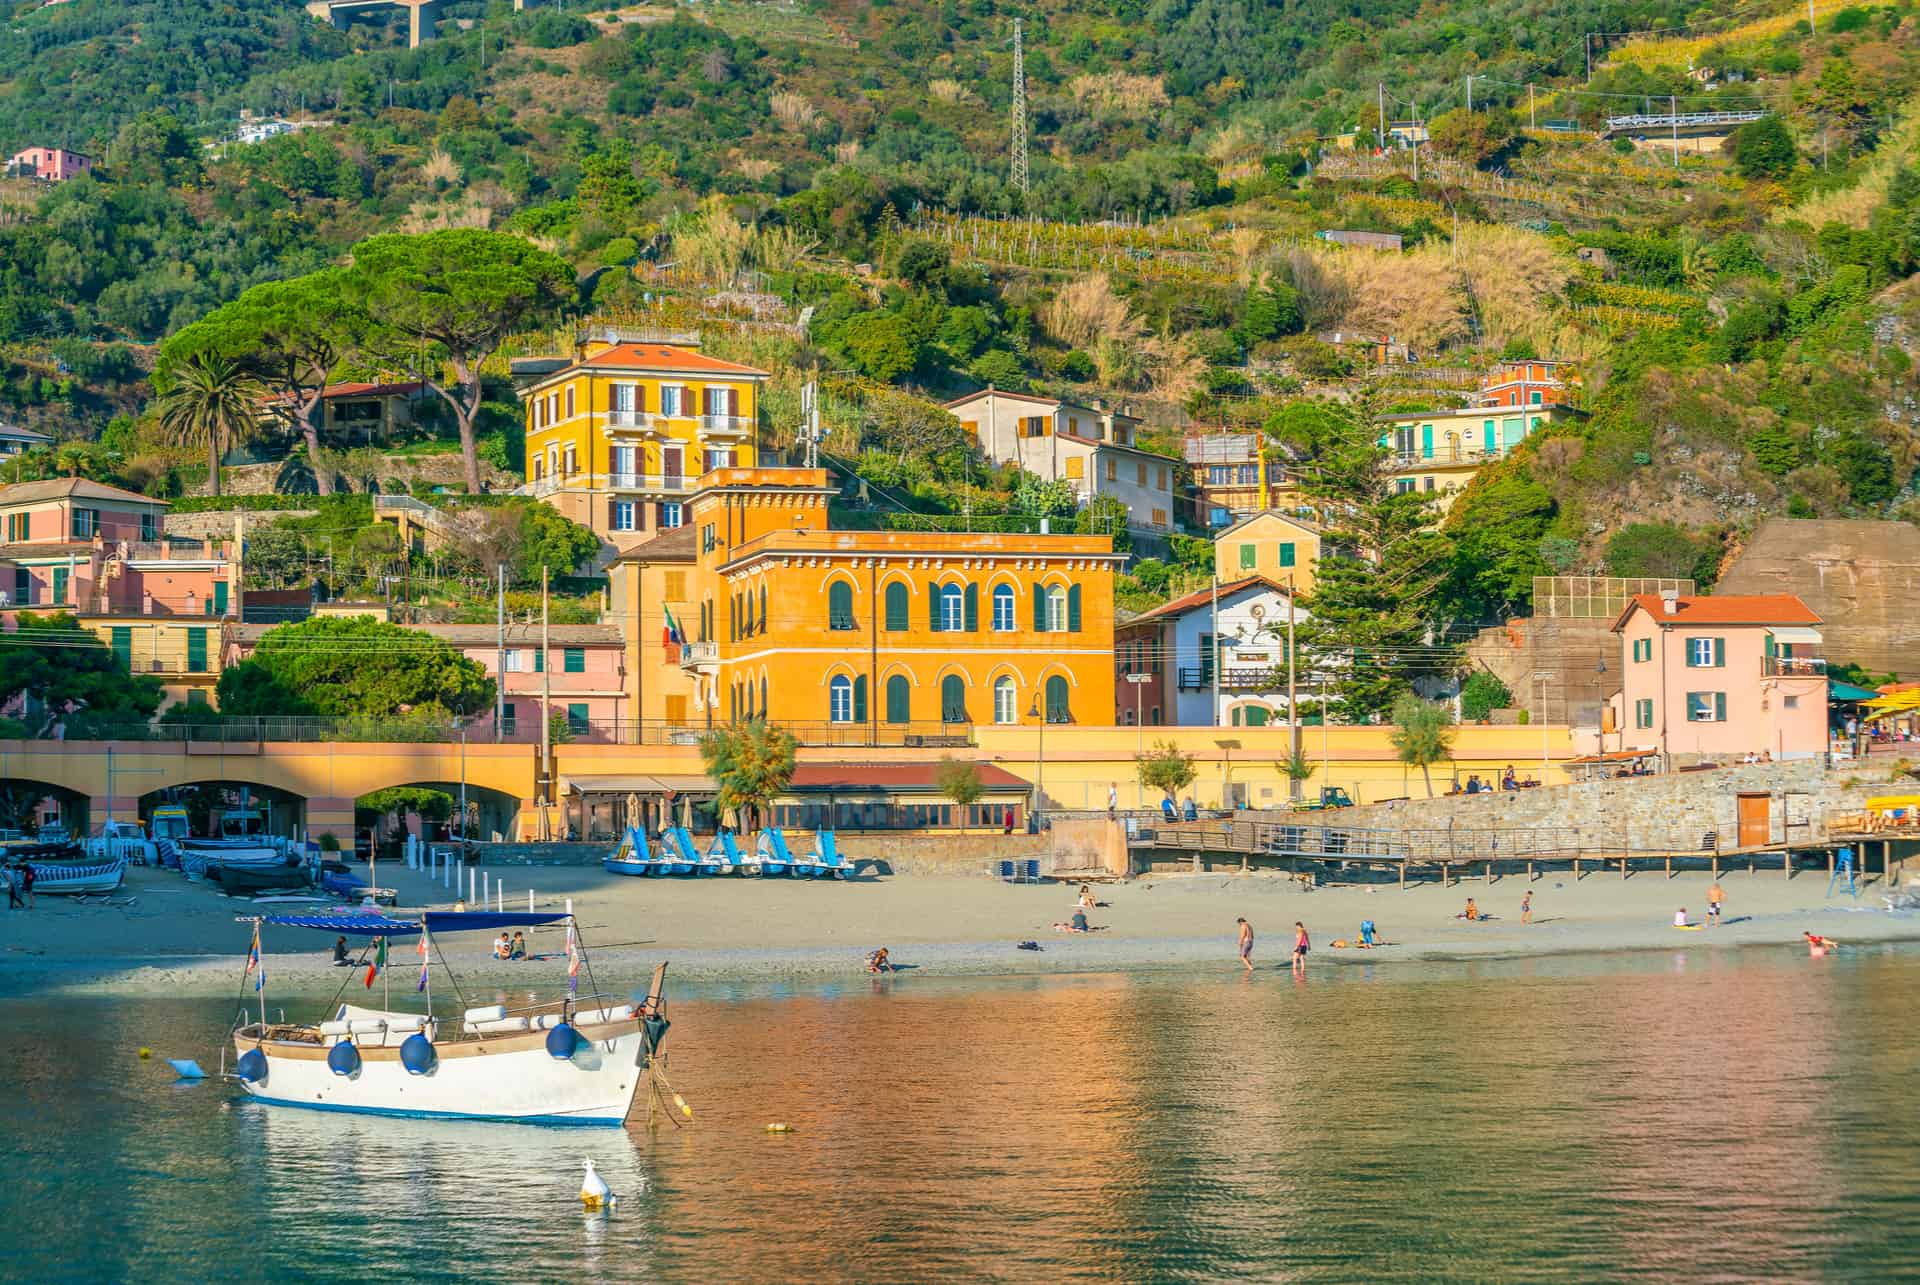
213,400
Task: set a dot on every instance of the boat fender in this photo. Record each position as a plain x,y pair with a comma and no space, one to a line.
343,1058
594,1192
417,1055
562,1040
779,1128
252,1067
145,1052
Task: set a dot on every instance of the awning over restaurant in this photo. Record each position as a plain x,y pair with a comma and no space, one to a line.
1795,634
640,783
1839,691
893,778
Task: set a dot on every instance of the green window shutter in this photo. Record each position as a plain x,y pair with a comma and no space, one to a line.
1692,655
1719,707
896,606
573,660
123,646
539,660
1286,554
196,651
1039,609
577,720
1073,609
933,605
1247,554
219,597
59,584
1057,711
1719,653
898,699
973,608
1426,441
860,699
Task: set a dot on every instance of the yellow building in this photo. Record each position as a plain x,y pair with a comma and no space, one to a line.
1274,545
180,651
647,588
616,439
868,637
1438,451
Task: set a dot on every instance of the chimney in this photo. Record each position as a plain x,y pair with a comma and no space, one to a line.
1670,602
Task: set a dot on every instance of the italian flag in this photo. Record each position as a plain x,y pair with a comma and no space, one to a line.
379,962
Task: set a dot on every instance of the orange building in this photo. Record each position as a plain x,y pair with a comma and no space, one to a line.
871,637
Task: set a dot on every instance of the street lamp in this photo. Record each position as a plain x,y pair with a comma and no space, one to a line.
1039,760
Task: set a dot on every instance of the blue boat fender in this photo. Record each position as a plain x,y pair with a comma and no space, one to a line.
343,1058
417,1054
562,1040
252,1067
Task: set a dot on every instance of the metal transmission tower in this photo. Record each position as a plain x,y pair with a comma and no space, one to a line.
1019,175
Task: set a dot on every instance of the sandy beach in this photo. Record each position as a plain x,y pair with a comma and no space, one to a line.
168,936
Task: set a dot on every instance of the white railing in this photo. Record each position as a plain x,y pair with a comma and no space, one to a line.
674,483
640,419
699,653
1458,455
725,424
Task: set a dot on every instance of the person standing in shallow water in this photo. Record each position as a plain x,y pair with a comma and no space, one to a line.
1526,907
1300,947
1246,943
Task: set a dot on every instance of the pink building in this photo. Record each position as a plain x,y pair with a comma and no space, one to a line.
99,550
585,663
1717,677
54,164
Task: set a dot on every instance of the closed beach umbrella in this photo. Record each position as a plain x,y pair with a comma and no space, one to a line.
633,809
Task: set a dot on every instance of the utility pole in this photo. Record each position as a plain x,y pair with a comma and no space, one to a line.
1673,114
1380,125
1590,55
546,716
1809,17
1531,123
500,658
1469,95
1213,656
1293,705
1019,171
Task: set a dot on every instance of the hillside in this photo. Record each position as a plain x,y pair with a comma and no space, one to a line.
1741,319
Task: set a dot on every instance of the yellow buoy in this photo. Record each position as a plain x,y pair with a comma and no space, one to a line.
145,1052
594,1193
681,1102
779,1128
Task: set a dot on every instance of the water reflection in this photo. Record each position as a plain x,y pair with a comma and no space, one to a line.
1721,1115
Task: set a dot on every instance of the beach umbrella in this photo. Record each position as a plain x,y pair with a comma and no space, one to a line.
633,809
686,811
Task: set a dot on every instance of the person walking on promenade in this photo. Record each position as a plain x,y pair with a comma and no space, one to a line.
1300,947
1715,896
26,882
1246,944
13,888
1526,907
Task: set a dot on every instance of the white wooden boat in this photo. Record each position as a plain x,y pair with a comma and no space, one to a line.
575,1060
73,879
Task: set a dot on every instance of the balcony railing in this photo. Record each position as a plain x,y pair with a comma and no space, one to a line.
1233,678
699,653
725,424
1793,667
644,421
174,550
671,483
543,486
1457,455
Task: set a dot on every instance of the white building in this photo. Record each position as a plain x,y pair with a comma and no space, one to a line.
15,440
1178,644
1089,448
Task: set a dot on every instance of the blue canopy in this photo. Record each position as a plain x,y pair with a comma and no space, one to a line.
352,925
452,921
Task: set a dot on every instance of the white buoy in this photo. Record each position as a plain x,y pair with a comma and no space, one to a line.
594,1192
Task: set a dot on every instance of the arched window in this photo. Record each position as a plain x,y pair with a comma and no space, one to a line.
896,606
899,699
1257,715
1006,709
1057,711
840,605
1056,610
1003,609
953,608
763,698
953,699
840,699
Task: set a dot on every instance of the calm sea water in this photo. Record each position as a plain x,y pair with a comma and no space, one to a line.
1724,1115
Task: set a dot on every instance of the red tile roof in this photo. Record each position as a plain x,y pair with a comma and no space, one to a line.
404,389
668,357
1202,597
891,778
1725,609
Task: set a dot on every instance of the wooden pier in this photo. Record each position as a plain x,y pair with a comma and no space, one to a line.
1331,854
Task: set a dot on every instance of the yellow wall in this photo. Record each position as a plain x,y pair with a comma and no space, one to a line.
159,647
640,596
1264,534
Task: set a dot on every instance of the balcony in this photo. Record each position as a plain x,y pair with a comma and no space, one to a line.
660,483
1441,456
1793,667
698,655
542,486
640,421
725,425
1233,678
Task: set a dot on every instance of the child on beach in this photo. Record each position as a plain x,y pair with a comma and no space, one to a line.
1526,907
877,962
1472,913
1680,918
1300,946
1246,943
1715,895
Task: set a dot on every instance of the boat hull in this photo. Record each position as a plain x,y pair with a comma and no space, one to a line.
508,1079
634,869
78,880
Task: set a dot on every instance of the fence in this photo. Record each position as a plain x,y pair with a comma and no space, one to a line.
522,731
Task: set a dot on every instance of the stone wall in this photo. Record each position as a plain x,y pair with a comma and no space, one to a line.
1649,812
218,525
1569,649
1859,577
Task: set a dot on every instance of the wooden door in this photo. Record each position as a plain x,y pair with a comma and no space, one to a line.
1756,824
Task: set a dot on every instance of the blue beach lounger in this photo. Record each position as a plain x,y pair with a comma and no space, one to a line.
774,857
828,854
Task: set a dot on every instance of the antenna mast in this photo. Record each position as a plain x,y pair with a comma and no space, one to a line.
1019,175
